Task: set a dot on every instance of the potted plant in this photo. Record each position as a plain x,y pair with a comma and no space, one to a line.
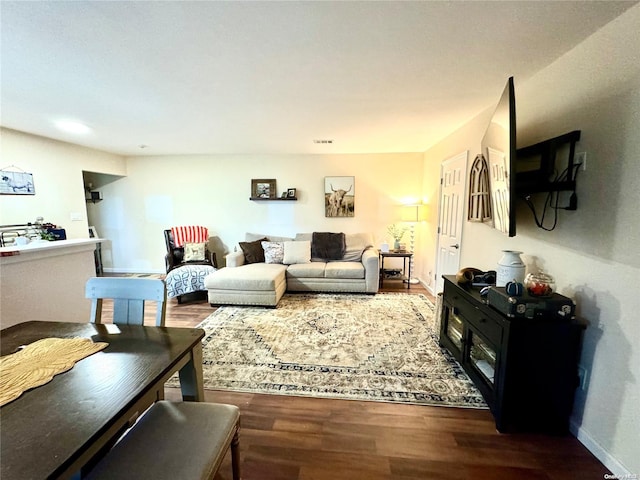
397,232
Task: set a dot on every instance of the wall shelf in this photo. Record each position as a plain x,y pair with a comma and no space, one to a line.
260,199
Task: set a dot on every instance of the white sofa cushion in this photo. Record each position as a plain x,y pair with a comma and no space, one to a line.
306,270
344,270
297,252
250,277
356,244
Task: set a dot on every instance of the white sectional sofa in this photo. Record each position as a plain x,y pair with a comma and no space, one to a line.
293,268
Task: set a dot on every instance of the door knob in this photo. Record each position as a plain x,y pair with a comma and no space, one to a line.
456,246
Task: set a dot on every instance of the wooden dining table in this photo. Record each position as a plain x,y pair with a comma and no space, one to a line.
54,430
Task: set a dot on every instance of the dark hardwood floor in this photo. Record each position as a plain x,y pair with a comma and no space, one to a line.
285,437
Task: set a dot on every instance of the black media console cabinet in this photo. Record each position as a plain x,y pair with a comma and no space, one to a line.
526,369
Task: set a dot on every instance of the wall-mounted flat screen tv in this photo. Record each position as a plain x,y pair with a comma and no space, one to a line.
499,150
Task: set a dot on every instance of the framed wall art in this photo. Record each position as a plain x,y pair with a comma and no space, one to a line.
263,188
16,183
339,196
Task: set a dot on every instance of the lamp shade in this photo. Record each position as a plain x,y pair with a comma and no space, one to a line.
414,213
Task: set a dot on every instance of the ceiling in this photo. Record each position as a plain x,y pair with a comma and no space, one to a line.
182,77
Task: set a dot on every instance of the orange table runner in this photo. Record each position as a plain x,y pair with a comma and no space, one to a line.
38,362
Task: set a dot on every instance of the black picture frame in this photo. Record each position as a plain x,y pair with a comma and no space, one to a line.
291,193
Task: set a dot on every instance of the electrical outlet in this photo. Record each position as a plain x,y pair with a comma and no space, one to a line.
582,375
581,159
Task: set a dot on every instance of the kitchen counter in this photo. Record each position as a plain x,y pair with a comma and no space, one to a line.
46,281
46,246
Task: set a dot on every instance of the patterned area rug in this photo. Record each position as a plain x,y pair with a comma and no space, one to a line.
361,347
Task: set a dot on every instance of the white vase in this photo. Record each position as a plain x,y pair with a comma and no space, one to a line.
510,267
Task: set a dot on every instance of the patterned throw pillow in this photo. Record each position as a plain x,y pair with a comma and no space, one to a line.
273,252
194,252
253,251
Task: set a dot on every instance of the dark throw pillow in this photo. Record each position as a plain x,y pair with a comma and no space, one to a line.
328,246
253,251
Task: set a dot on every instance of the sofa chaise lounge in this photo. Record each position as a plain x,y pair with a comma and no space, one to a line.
265,267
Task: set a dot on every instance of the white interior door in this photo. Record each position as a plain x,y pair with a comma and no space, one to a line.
453,175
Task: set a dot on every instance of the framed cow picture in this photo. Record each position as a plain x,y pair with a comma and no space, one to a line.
339,196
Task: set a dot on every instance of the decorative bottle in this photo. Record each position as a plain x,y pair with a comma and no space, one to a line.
510,268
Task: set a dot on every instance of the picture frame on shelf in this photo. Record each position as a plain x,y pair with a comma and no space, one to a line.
291,193
263,188
93,233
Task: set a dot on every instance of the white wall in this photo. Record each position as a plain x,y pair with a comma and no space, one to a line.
57,177
593,253
214,190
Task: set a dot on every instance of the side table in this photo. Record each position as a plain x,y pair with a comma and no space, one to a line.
406,271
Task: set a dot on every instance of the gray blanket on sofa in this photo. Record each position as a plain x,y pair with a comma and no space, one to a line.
328,246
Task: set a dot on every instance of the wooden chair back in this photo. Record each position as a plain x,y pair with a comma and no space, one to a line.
129,296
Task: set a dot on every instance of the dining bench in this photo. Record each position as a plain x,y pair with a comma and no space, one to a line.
185,440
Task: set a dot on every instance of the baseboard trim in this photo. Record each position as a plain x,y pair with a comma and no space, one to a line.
585,438
424,285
